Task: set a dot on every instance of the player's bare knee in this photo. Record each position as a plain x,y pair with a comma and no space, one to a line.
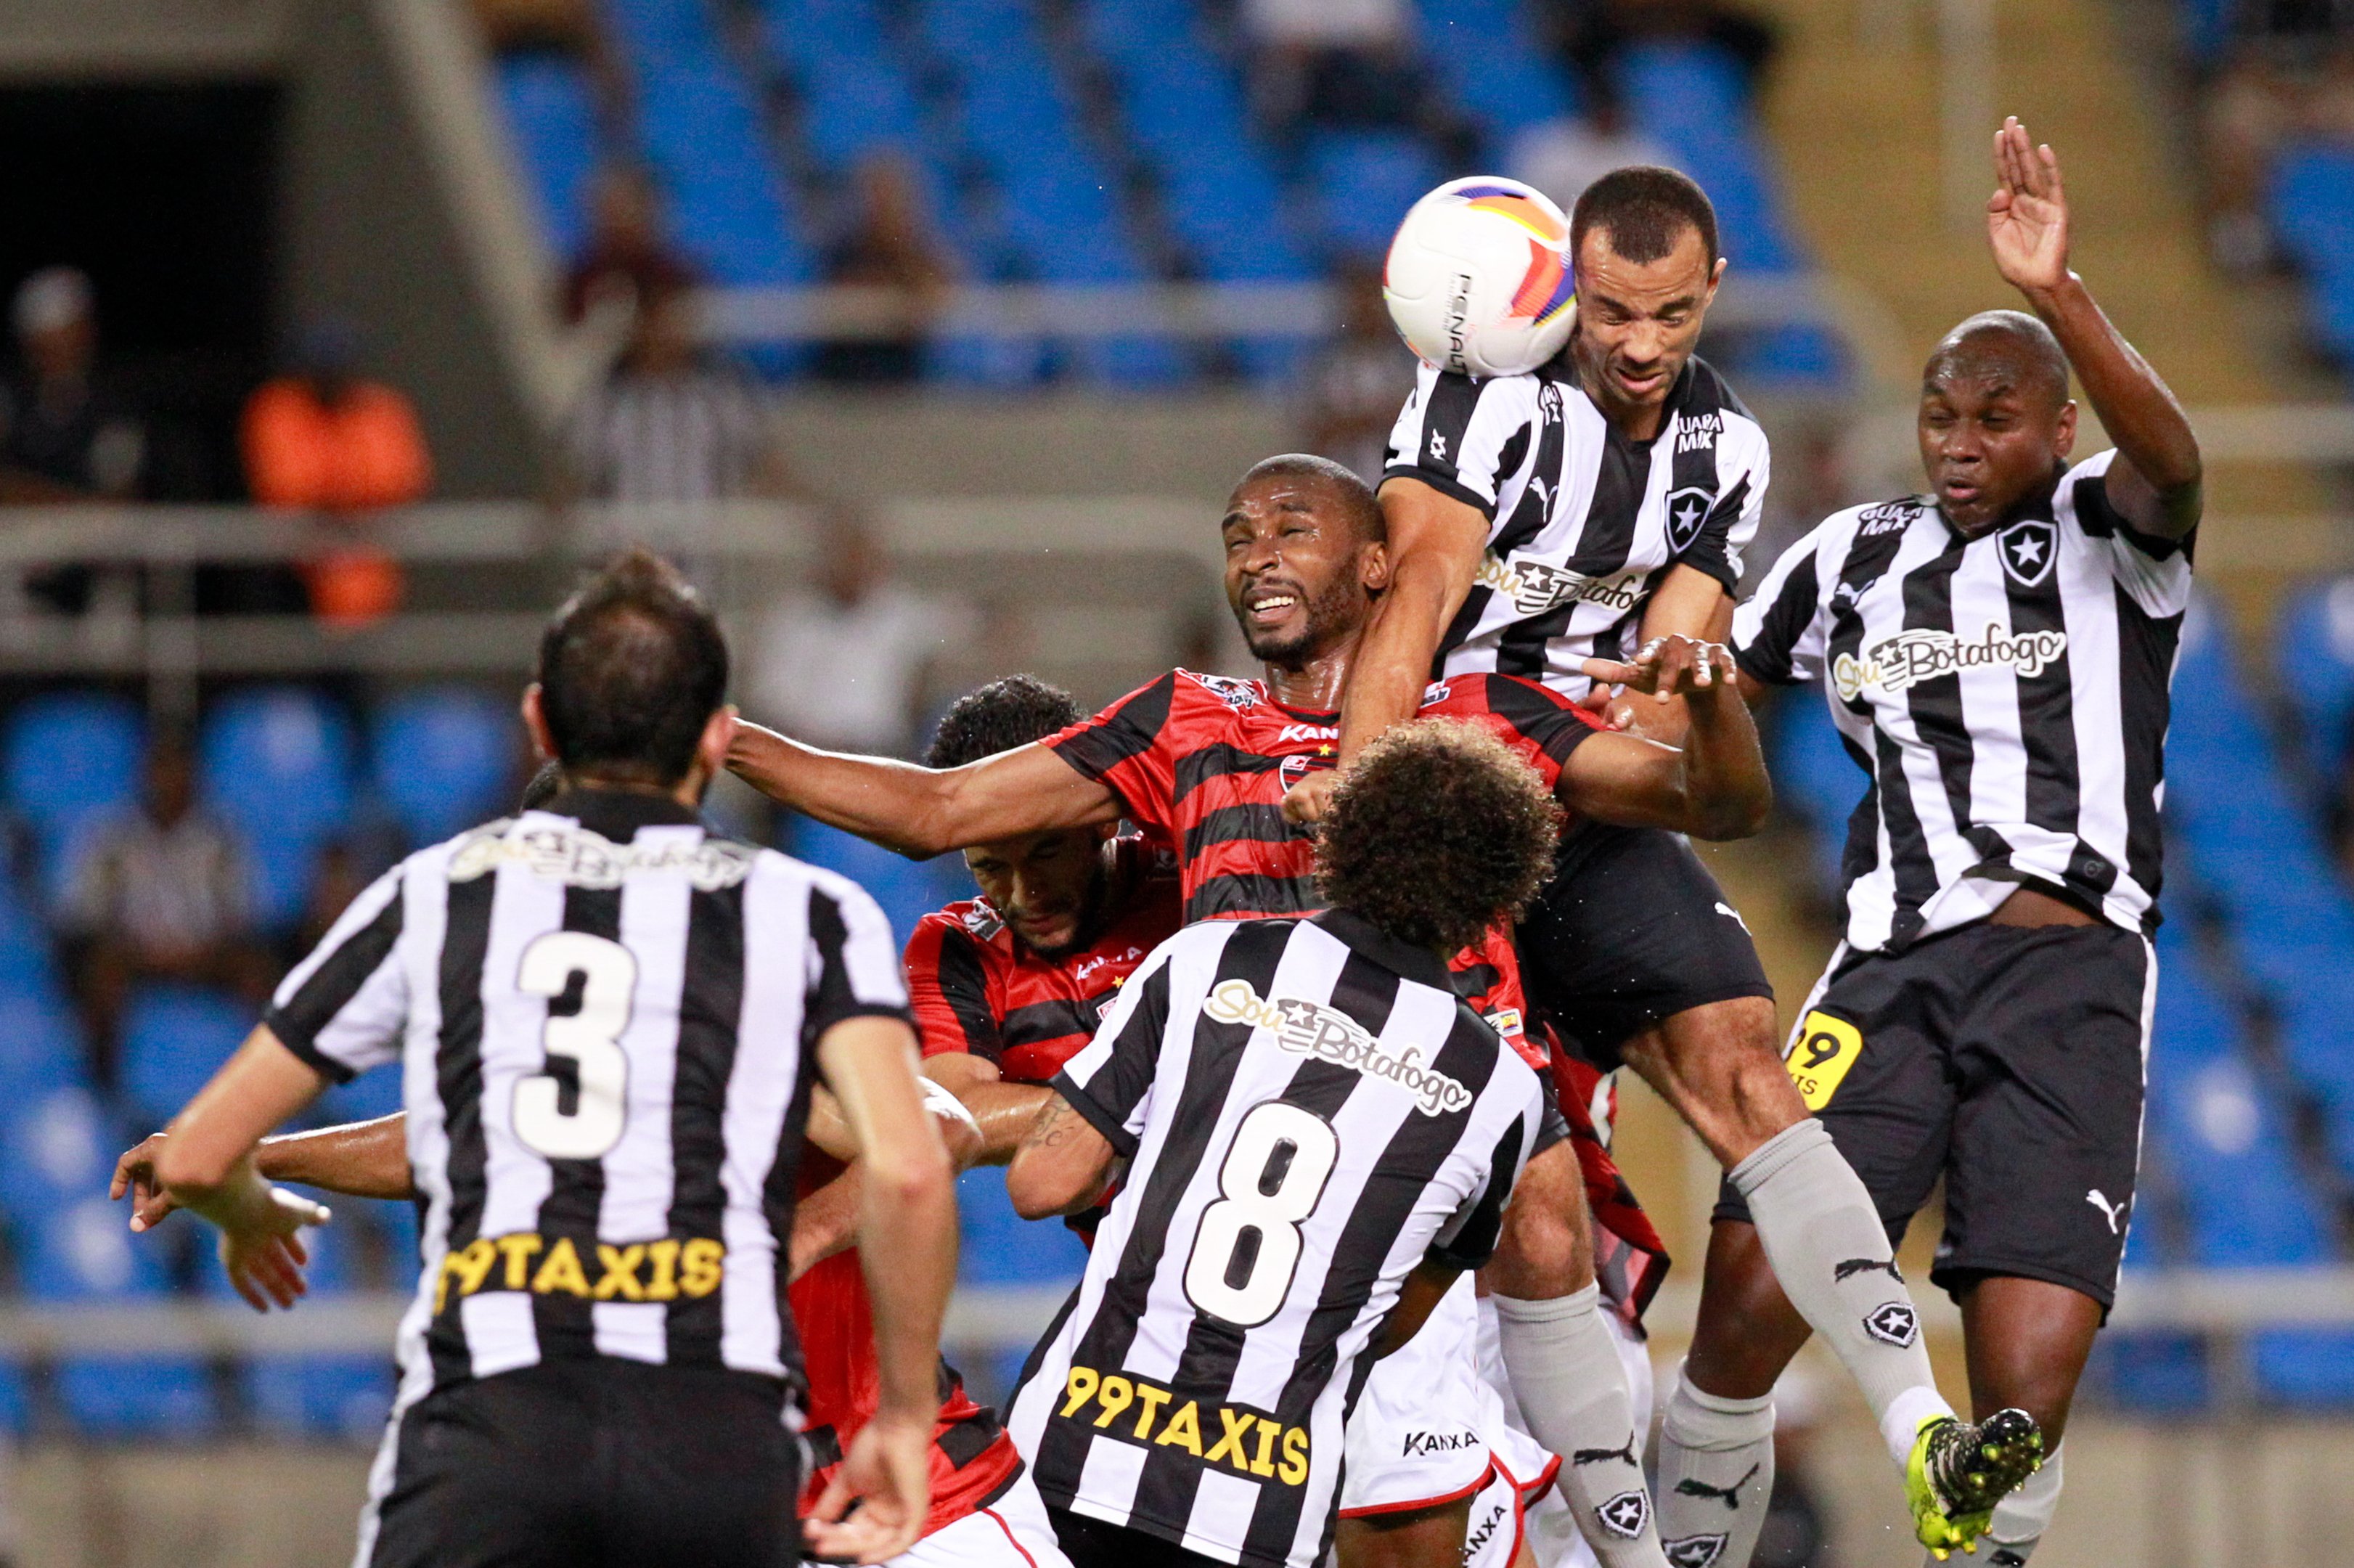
1546,1247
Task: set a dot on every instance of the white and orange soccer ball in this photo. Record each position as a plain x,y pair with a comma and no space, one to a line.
1478,279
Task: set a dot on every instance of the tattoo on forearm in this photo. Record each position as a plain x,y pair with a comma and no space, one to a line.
1053,1129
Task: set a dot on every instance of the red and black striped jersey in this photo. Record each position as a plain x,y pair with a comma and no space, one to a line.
974,987
1202,763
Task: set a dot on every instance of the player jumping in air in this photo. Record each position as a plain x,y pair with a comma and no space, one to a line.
1996,655
1541,525
1318,1135
1201,763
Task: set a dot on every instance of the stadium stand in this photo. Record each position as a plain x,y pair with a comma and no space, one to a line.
1112,150
277,764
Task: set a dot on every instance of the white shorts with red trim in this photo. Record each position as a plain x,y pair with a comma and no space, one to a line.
1500,1513
1013,1532
1428,1429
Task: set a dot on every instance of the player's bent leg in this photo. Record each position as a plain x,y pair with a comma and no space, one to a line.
1716,1442
1720,1066
1415,1452
1010,1530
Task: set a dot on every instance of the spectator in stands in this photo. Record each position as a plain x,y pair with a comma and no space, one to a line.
1344,64
888,246
2290,85
160,894
1592,37
1562,157
323,439
65,435
847,666
626,259
566,27
1356,383
673,424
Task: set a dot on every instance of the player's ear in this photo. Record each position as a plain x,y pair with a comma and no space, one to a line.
1716,277
1373,566
2064,432
534,724
718,734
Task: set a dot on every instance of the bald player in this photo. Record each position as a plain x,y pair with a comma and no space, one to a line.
1996,655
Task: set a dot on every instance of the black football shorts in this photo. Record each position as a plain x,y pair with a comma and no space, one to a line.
1630,930
2007,1060
575,1463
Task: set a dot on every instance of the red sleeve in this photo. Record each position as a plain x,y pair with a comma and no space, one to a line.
1536,721
948,990
1127,749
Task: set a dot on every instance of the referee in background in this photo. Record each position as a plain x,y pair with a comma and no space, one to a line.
611,1024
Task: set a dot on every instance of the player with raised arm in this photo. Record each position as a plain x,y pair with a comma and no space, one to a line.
1541,525
600,1365
1365,1127
1996,655
1201,762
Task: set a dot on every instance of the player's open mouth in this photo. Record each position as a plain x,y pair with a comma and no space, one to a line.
1274,606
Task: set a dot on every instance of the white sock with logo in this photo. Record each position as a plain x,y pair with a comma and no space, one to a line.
1717,1475
1830,1255
1564,1367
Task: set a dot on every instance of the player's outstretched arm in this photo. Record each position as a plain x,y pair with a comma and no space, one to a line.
1715,786
2154,480
921,811
1002,1112
826,1221
206,1166
1435,546
358,1159
1062,1165
907,1237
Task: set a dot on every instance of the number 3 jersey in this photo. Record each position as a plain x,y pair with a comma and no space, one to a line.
605,1098
1308,1111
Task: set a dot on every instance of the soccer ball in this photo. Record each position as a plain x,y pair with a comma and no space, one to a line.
1478,278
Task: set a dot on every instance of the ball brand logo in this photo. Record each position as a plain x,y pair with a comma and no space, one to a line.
1458,311
1311,1029
1535,587
1903,661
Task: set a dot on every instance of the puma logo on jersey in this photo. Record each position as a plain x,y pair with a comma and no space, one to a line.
1855,1266
1729,1496
2113,1212
1734,915
1595,1455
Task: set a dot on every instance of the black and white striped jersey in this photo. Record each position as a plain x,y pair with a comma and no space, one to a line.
1307,1111
606,1020
1582,523
2005,696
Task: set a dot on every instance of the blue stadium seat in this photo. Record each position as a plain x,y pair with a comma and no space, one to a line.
1815,776
1364,181
1495,66
550,110
1000,1247
2310,204
57,1141
445,758
2314,656
297,1395
41,1043
68,761
28,963
78,1250
277,764
175,1037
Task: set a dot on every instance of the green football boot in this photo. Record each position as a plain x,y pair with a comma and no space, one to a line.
1958,1472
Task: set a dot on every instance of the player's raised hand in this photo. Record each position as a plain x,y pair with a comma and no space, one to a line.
1665,667
888,1473
2027,216
264,1251
135,1173
1308,801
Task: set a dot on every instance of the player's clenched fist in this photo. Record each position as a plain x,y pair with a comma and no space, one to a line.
1671,666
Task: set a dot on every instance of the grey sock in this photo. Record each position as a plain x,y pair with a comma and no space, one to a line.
1716,1474
1566,1371
1830,1254
2020,1520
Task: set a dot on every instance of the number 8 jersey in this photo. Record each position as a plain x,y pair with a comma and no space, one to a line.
605,1020
1308,1111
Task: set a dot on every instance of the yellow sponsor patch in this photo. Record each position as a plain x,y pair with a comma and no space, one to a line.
1241,1440
1826,1048
660,1270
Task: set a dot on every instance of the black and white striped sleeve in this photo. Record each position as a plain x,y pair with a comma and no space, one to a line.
1469,1239
2153,569
1464,438
1109,1081
853,962
1779,634
343,1008
1732,523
